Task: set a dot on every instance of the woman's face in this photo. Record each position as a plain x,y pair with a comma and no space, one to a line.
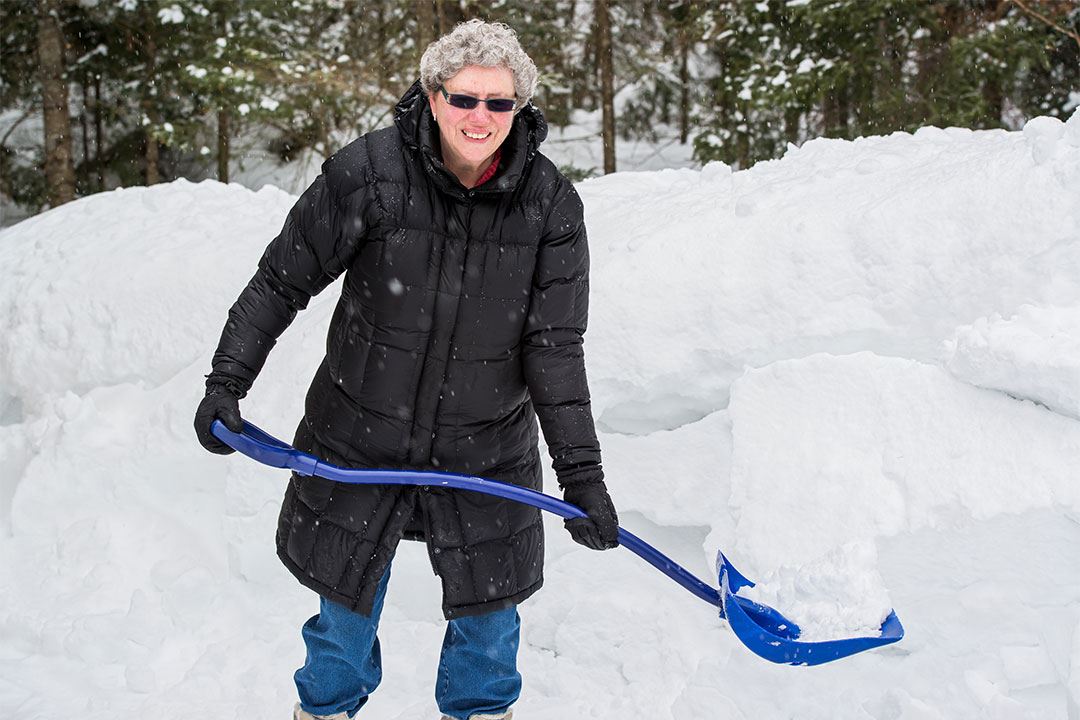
470,137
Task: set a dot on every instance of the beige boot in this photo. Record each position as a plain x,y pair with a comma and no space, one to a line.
508,715
299,714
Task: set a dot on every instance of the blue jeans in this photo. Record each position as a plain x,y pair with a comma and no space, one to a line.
477,667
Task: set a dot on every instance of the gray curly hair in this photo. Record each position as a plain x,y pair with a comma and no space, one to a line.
478,43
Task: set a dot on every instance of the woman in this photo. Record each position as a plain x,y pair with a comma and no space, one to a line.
460,321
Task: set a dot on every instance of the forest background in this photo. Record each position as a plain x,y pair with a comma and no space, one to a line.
98,94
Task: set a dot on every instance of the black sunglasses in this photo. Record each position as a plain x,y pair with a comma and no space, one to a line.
468,102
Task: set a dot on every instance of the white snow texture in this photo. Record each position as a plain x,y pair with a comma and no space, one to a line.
856,370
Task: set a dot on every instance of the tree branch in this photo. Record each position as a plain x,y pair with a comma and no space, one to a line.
1023,5
26,114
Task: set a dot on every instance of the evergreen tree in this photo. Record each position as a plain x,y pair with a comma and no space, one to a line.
158,89
20,175
788,71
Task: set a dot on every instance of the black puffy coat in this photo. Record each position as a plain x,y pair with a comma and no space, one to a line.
460,321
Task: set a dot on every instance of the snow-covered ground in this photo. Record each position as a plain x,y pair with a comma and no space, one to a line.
857,363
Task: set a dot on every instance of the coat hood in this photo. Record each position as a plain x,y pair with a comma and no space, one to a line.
412,116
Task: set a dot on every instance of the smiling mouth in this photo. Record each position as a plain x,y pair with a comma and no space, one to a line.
476,136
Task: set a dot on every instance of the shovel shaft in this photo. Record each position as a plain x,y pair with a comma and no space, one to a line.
261,446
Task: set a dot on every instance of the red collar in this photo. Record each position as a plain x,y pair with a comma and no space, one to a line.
492,168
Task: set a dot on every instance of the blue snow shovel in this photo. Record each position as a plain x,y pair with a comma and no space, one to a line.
760,627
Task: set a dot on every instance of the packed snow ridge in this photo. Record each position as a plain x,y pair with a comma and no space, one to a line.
855,369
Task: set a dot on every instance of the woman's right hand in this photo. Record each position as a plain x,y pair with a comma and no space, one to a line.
222,404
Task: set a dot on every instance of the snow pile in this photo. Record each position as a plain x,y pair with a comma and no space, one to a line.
829,449
1034,355
885,244
766,357
840,595
117,287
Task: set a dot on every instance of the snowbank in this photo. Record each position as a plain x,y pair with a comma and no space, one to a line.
1034,355
126,285
832,449
885,244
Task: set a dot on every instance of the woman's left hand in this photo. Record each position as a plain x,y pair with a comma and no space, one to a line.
600,530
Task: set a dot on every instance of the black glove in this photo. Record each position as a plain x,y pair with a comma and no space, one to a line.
599,531
222,402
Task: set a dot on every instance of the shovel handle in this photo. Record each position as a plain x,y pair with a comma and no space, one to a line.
267,449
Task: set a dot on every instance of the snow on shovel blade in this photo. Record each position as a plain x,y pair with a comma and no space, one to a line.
761,628
772,636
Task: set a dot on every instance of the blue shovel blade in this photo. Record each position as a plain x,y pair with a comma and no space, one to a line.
775,638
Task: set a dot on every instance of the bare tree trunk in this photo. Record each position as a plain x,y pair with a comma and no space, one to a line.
881,84
566,63
557,104
223,146
578,84
992,92
444,21
153,177
994,99
381,46
792,116
721,100
84,124
322,131
425,24
843,110
607,83
59,170
149,104
98,134
836,110
928,77
684,83
595,91
828,115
